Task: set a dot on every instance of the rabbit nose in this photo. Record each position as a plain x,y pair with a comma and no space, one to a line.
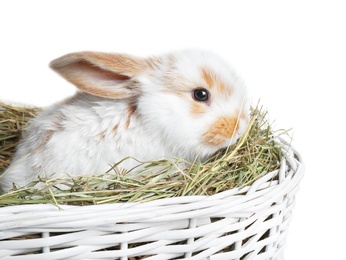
221,130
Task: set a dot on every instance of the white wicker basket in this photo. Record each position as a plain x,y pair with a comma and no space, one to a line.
247,223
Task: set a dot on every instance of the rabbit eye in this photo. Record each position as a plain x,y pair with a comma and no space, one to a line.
201,95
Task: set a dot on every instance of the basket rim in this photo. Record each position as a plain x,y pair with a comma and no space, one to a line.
290,155
175,208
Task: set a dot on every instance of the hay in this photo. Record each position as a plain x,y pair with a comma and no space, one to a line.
12,121
255,154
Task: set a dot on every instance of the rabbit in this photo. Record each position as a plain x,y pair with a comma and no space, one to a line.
185,104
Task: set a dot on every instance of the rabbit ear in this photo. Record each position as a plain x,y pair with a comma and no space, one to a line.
101,74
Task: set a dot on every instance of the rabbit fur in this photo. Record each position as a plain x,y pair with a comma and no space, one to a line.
145,108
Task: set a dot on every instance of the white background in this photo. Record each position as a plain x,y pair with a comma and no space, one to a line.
291,54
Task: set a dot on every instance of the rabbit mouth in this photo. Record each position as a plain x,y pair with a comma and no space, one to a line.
222,132
220,142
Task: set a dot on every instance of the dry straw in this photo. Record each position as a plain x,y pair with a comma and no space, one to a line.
255,154
12,121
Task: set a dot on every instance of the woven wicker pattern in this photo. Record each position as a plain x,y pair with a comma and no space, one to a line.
247,223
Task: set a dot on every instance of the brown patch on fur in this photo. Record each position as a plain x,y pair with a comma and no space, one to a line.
58,125
128,123
45,137
213,81
102,135
197,109
131,110
208,77
115,129
223,128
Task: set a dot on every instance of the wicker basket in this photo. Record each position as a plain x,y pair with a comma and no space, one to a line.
246,223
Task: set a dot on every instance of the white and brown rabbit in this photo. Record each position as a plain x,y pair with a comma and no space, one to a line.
183,104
